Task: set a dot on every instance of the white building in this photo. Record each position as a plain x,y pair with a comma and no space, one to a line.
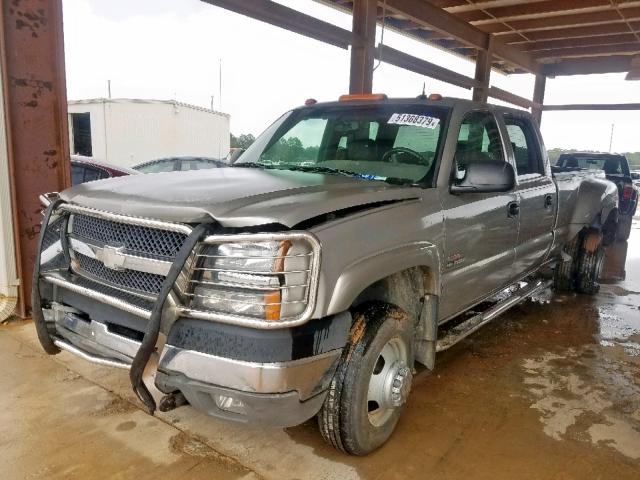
129,131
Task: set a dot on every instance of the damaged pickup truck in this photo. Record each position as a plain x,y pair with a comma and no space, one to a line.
350,241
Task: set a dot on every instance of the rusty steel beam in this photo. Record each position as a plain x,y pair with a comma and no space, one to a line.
363,46
32,58
289,19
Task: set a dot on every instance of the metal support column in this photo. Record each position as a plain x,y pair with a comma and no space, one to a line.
538,98
363,46
483,73
35,100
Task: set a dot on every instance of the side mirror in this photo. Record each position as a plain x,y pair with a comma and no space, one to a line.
484,177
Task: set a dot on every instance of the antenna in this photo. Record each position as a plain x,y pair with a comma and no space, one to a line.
613,125
109,88
423,95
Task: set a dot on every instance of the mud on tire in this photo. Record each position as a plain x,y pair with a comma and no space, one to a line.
344,419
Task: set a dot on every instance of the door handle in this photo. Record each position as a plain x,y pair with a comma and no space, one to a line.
548,201
514,209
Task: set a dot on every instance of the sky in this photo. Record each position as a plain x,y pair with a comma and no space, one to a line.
173,49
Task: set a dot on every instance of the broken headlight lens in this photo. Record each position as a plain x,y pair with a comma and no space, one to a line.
263,280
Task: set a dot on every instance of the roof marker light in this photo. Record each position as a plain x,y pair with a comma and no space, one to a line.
310,101
355,97
435,96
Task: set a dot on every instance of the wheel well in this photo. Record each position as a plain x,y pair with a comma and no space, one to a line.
404,289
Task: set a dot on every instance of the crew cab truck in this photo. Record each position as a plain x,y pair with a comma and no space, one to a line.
616,169
310,277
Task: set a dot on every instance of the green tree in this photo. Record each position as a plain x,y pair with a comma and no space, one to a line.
243,141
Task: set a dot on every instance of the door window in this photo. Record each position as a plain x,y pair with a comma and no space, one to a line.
479,139
156,167
524,145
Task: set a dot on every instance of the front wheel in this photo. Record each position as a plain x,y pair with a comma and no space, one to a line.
371,384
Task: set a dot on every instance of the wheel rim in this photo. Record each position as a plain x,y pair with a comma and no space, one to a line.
389,383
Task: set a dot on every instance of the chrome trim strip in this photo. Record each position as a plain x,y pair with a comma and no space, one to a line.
124,260
96,334
302,375
61,344
100,297
114,217
51,252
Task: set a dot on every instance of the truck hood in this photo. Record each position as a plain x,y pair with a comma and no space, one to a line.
235,197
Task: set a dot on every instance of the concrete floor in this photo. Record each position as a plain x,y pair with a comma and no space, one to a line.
545,392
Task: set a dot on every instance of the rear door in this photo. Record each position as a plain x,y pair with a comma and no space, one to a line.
480,228
537,195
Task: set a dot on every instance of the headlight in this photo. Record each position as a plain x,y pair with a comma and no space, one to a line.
268,280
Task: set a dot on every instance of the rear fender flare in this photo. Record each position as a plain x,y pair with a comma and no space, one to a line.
600,198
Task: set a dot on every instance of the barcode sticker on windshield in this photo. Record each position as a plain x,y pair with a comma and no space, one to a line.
410,119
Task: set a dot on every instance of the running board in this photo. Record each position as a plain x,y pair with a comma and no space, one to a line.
466,328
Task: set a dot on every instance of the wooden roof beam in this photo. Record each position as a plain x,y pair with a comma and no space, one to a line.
289,19
592,51
588,66
564,33
579,42
438,19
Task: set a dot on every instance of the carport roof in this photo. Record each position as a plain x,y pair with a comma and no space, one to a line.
550,37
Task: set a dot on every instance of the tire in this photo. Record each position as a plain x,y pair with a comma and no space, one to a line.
349,419
590,264
564,273
624,228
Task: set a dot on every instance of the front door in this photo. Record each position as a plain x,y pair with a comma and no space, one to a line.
480,228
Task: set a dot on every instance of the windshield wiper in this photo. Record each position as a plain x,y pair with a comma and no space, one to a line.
319,169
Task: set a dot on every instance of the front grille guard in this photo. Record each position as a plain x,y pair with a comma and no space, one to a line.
202,233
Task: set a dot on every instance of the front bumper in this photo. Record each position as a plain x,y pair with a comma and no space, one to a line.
273,393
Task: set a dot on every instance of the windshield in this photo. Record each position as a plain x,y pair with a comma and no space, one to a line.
394,143
611,164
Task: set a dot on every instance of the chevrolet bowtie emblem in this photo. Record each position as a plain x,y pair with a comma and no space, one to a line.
113,258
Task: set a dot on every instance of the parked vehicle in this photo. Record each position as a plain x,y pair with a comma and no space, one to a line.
179,164
309,278
616,168
88,169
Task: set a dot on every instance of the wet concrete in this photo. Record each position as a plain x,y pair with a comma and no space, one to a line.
547,391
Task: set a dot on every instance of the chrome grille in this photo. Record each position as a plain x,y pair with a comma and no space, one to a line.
149,244
136,239
147,283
